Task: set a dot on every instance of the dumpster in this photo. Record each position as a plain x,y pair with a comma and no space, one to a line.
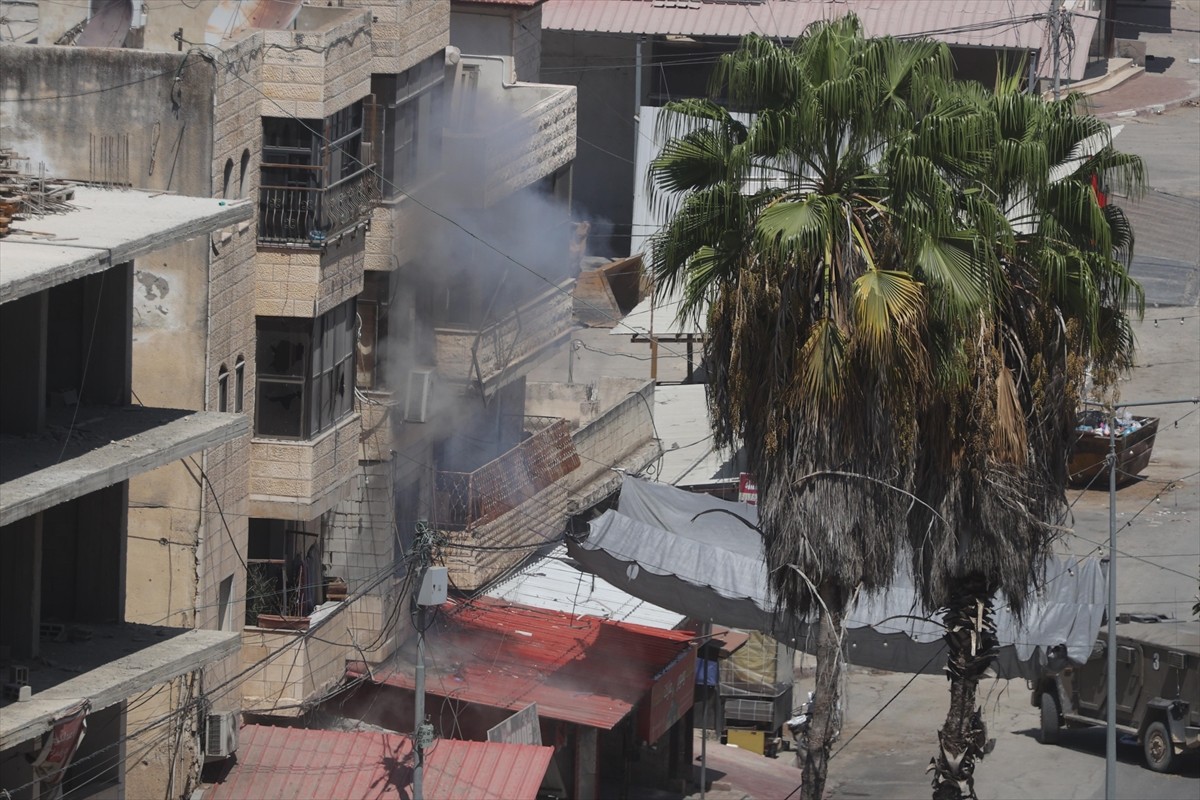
1088,463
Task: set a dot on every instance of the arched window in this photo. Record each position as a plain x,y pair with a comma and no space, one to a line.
228,178
242,174
223,389
239,383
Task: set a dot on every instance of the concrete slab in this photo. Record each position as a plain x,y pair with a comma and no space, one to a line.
113,681
103,228
106,446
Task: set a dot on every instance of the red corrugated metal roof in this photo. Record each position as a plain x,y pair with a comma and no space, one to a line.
1018,24
583,670
298,764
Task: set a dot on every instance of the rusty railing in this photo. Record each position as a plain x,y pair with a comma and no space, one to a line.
465,500
311,215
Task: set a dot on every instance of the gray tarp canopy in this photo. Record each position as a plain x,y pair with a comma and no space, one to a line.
712,567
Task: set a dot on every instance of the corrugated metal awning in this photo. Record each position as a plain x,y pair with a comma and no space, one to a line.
554,584
1006,24
296,764
582,670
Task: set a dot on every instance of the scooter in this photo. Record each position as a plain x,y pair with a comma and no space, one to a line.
798,727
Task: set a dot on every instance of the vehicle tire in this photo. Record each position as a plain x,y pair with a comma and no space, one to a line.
1157,747
1048,733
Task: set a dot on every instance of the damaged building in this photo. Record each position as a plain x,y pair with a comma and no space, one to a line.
393,253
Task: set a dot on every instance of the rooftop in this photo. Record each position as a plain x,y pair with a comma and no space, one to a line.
102,228
1016,24
555,583
104,445
690,456
582,670
295,764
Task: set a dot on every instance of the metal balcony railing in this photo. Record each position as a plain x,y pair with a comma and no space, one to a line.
466,500
312,215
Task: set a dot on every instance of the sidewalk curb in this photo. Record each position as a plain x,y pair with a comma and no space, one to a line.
1150,110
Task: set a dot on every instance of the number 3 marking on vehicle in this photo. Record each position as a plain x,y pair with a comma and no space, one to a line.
1154,662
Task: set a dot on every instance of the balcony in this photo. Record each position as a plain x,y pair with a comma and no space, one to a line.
305,664
504,136
104,664
319,65
305,478
491,506
311,216
504,351
613,429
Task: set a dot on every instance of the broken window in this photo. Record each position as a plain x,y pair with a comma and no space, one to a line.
317,175
305,373
284,575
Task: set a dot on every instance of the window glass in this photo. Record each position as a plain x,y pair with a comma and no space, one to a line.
299,396
223,389
280,408
282,346
239,389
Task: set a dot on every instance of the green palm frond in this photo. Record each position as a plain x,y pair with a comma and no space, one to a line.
888,308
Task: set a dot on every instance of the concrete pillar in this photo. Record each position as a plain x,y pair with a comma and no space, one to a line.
21,586
23,364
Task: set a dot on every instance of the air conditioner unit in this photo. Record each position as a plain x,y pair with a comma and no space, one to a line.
416,401
220,736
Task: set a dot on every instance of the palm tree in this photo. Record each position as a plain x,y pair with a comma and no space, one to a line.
994,450
824,238
904,278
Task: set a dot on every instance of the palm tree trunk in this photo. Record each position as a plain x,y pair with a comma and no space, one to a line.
971,639
825,724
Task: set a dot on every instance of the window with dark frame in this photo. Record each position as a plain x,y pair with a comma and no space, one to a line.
411,106
239,384
223,389
305,373
313,173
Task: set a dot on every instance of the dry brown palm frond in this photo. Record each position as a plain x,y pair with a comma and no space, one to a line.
1009,440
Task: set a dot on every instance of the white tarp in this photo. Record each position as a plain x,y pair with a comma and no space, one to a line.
712,566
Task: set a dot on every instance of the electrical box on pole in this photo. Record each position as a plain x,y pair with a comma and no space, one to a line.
434,584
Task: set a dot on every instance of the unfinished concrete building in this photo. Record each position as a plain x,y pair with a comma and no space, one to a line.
75,445
365,320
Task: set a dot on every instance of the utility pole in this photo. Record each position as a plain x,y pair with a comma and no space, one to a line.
1110,703
1056,32
430,586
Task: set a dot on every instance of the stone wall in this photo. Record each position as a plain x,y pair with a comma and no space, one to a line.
507,350
237,149
299,282
538,520
319,68
302,479
306,665
535,138
159,763
405,32
360,541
